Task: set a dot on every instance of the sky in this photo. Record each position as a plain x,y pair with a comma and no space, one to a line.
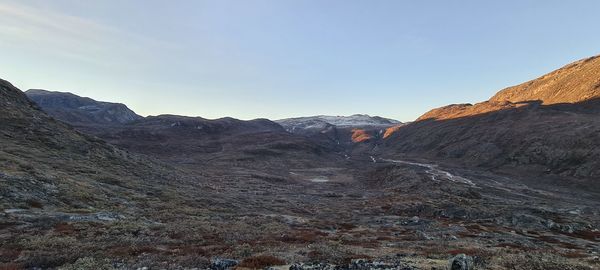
284,58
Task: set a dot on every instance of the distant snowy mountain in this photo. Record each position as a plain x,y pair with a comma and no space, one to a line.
321,122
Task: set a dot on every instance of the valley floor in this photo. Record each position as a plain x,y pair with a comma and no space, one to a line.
414,213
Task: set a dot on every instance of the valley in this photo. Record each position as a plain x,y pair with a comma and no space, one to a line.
92,185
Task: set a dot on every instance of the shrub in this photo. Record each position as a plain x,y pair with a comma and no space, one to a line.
9,255
262,261
10,266
88,263
64,228
48,242
331,252
34,203
539,261
47,260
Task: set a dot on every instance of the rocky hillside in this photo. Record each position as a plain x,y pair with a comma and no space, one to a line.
74,109
47,161
548,125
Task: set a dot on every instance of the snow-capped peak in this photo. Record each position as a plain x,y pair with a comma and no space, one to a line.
320,121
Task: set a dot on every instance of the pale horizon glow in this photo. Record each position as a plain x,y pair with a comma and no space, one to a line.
289,58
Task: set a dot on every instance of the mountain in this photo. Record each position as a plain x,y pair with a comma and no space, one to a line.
321,122
342,132
550,125
76,110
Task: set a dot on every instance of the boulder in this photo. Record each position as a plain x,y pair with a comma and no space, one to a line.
461,262
223,264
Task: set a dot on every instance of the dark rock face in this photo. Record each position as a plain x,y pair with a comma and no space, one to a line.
73,109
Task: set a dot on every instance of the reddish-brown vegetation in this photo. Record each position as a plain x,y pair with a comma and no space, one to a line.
587,235
360,135
34,203
262,261
64,228
11,266
389,131
7,255
303,236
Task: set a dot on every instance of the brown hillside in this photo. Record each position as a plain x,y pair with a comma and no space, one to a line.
573,83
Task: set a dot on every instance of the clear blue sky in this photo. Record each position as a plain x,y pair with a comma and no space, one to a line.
283,58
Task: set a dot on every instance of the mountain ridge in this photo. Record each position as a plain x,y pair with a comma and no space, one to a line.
573,83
